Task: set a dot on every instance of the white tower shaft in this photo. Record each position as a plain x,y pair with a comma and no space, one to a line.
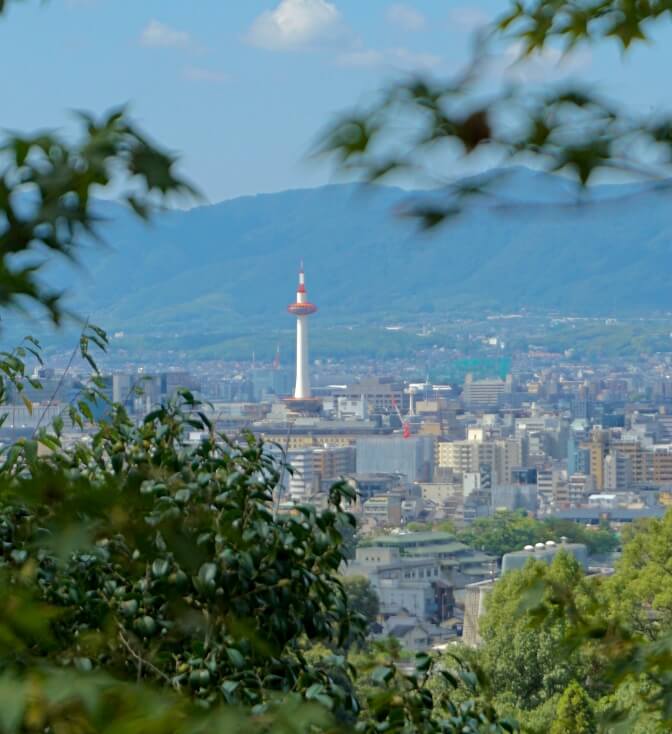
302,309
302,388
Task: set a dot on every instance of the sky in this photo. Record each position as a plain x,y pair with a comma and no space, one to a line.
242,88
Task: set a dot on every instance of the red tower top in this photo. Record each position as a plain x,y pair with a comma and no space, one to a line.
301,307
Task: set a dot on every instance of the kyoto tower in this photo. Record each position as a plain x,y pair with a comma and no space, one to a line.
302,309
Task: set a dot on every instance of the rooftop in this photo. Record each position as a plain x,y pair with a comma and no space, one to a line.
408,540
547,549
454,547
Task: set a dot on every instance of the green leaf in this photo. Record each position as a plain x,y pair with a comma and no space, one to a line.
14,697
236,657
160,568
382,674
145,626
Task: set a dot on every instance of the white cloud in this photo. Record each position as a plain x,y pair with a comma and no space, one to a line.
545,65
199,74
405,17
297,24
468,19
394,58
159,35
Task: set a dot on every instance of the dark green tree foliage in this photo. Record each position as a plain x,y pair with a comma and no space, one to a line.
405,704
187,577
640,592
575,713
527,661
596,634
362,597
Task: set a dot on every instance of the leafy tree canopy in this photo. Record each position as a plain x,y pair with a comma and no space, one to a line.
362,597
527,661
507,531
575,713
641,589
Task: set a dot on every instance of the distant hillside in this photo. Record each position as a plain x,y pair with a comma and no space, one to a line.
233,265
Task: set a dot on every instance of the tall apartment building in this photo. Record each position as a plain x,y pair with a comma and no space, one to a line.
313,465
548,487
462,456
545,485
661,465
598,447
578,457
579,487
509,454
638,456
502,455
617,471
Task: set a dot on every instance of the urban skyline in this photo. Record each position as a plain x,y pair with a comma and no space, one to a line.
442,502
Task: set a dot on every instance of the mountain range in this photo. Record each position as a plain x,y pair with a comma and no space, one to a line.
231,266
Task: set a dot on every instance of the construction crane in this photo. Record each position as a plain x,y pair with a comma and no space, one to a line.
404,424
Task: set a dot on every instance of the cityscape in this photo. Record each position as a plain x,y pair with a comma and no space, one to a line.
536,433
336,367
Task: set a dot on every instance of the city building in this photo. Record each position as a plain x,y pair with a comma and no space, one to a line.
381,394
413,457
486,393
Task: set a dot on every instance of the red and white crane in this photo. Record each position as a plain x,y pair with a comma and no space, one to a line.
404,424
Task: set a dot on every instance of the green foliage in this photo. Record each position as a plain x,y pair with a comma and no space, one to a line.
575,713
404,703
181,572
538,22
46,189
625,710
641,590
534,721
589,630
362,597
502,533
566,128
510,531
527,660
599,540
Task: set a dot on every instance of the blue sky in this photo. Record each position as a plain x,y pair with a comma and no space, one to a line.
242,87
